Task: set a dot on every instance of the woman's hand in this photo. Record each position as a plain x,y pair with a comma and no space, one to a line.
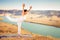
30,7
23,5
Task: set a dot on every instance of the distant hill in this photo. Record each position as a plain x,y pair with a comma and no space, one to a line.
17,12
47,13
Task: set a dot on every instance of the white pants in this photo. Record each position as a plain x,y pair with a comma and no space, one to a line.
19,22
19,27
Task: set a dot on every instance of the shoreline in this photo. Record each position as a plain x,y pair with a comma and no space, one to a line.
43,21
23,31
6,27
43,24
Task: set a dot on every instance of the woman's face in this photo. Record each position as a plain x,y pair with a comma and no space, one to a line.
25,12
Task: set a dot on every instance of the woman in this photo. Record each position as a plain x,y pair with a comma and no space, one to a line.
21,19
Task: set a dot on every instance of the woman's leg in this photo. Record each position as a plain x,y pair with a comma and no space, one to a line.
19,27
12,19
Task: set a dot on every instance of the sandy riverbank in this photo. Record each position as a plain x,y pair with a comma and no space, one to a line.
53,21
6,28
1,18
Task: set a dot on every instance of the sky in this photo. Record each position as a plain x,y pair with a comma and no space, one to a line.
36,4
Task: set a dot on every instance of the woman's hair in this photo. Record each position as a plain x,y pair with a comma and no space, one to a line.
25,10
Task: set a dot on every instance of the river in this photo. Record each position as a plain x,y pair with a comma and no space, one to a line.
38,28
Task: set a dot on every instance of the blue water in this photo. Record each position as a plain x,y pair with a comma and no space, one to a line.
38,28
